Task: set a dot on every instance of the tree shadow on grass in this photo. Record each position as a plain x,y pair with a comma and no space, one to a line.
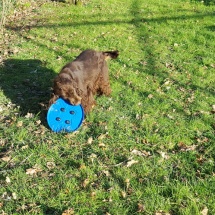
51,210
211,28
205,2
27,84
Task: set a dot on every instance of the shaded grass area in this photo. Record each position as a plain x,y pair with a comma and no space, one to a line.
206,2
147,149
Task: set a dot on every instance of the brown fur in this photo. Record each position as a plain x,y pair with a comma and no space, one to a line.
81,79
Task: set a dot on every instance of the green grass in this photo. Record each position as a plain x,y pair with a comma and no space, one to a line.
159,118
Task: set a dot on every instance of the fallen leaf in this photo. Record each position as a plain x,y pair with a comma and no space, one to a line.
213,108
127,182
54,39
50,165
33,171
69,211
82,166
24,147
150,96
92,157
29,115
183,147
160,212
131,162
7,180
123,194
101,145
92,194
101,137
204,211
106,172
19,124
110,108
6,158
138,117
167,82
140,208
59,58
14,196
90,140
5,196
85,182
38,122
169,65
140,153
170,116
163,155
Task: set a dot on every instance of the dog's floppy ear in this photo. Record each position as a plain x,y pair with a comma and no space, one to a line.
111,54
64,77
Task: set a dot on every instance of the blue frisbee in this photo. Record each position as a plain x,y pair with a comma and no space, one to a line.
63,116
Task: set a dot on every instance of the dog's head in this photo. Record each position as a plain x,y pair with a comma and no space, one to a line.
64,87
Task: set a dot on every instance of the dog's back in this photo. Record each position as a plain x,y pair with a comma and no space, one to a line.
90,60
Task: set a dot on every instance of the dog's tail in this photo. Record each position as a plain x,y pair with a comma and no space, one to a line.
111,54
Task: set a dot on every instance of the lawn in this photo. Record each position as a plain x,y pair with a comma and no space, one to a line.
149,148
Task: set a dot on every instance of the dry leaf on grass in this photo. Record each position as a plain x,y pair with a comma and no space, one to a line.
101,145
50,165
29,115
24,147
183,147
69,211
14,196
82,166
33,171
102,136
5,196
93,157
123,194
140,153
19,124
131,162
38,122
150,96
7,180
127,182
85,182
141,208
204,211
92,194
213,108
160,212
90,140
6,158
163,155
106,172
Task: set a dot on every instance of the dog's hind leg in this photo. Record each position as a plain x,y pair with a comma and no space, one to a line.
104,83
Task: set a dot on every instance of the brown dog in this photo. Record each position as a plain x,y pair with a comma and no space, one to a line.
79,80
